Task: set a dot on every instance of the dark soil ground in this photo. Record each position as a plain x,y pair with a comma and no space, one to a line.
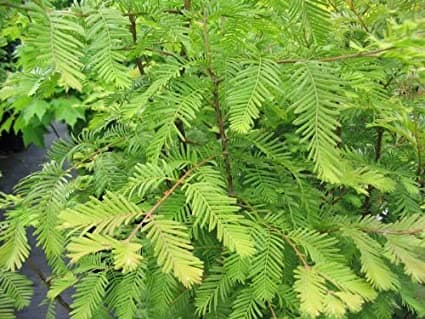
14,166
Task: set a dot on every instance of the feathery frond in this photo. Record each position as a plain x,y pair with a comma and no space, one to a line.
89,295
246,305
267,264
107,34
253,84
106,215
17,288
215,210
227,159
317,97
214,289
173,250
55,40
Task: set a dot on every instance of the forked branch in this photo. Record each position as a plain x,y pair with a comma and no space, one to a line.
167,194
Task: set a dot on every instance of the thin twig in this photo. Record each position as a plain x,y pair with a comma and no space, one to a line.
167,194
402,232
158,51
124,14
216,104
340,196
378,145
274,316
93,155
179,123
419,170
297,252
54,130
362,54
163,52
413,231
359,17
378,150
46,282
133,31
187,5
333,5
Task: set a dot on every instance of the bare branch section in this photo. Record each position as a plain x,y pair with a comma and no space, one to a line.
217,108
364,54
414,231
299,254
358,15
187,4
133,31
46,282
273,313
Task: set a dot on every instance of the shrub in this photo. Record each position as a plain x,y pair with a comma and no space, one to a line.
245,159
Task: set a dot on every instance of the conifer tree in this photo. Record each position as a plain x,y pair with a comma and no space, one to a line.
242,159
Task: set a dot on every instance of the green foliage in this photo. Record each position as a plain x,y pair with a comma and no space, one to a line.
107,32
214,289
172,249
249,88
317,94
89,294
243,159
54,40
267,265
113,211
15,293
211,207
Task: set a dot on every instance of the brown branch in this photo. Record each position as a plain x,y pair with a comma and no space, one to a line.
173,11
333,5
163,52
206,41
340,196
413,231
378,145
92,156
124,14
297,252
223,137
419,171
363,54
158,51
133,31
54,130
46,282
167,194
274,316
187,5
216,104
359,17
